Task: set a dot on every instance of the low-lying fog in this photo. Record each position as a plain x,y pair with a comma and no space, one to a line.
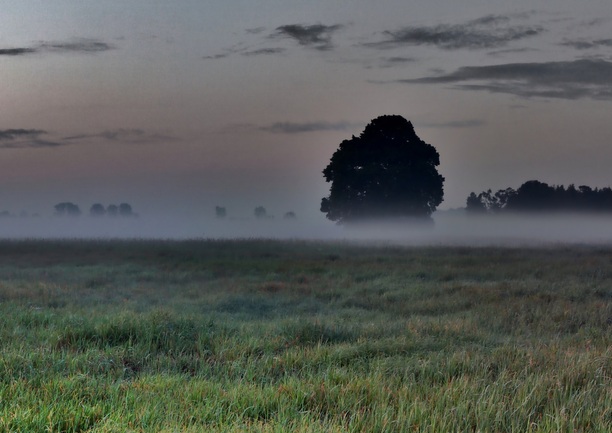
449,228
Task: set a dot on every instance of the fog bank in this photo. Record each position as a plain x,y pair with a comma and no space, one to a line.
448,228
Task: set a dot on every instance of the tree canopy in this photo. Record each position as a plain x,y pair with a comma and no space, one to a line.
387,172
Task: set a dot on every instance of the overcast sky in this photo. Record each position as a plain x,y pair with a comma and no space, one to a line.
180,106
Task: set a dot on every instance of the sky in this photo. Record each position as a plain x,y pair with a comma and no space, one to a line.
178,107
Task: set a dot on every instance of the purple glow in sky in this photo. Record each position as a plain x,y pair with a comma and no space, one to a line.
176,107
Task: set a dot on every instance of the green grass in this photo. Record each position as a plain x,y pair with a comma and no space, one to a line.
292,336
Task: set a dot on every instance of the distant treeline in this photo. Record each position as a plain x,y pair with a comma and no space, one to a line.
536,196
96,210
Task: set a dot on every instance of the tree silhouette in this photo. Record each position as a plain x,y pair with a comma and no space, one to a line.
260,212
112,210
474,204
290,215
386,172
536,196
220,212
97,210
125,210
67,209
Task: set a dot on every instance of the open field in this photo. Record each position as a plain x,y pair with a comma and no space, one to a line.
292,336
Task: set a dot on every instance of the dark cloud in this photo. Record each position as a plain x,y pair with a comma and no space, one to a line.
298,128
585,78
82,45
388,62
134,136
487,32
581,44
511,51
16,51
264,51
74,46
24,138
216,56
316,36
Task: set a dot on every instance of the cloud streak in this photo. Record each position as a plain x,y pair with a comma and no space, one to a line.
491,31
455,124
304,127
16,51
582,44
81,45
585,78
317,36
264,51
121,135
25,138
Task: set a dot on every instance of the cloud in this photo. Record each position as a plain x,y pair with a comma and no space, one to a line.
317,36
216,56
585,78
256,30
24,138
389,62
16,51
132,136
582,44
81,45
298,128
455,124
487,32
264,51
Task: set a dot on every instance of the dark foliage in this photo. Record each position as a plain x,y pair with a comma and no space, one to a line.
260,212
220,212
386,172
112,210
536,196
97,210
67,209
125,210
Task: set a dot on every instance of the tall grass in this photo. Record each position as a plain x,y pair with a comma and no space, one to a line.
265,336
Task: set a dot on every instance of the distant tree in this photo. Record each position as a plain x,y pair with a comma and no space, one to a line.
532,196
97,210
67,209
475,205
488,202
112,210
125,210
220,212
289,215
386,172
5,214
260,212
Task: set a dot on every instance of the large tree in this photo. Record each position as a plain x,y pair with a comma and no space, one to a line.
387,172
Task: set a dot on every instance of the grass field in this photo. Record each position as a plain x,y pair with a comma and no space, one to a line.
292,336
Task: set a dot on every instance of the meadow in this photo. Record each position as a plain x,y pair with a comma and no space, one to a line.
303,336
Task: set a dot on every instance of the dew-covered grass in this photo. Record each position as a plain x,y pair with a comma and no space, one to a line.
296,336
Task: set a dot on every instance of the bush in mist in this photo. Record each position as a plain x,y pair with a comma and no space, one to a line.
386,172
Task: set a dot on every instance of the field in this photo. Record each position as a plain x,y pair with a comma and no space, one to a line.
296,336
